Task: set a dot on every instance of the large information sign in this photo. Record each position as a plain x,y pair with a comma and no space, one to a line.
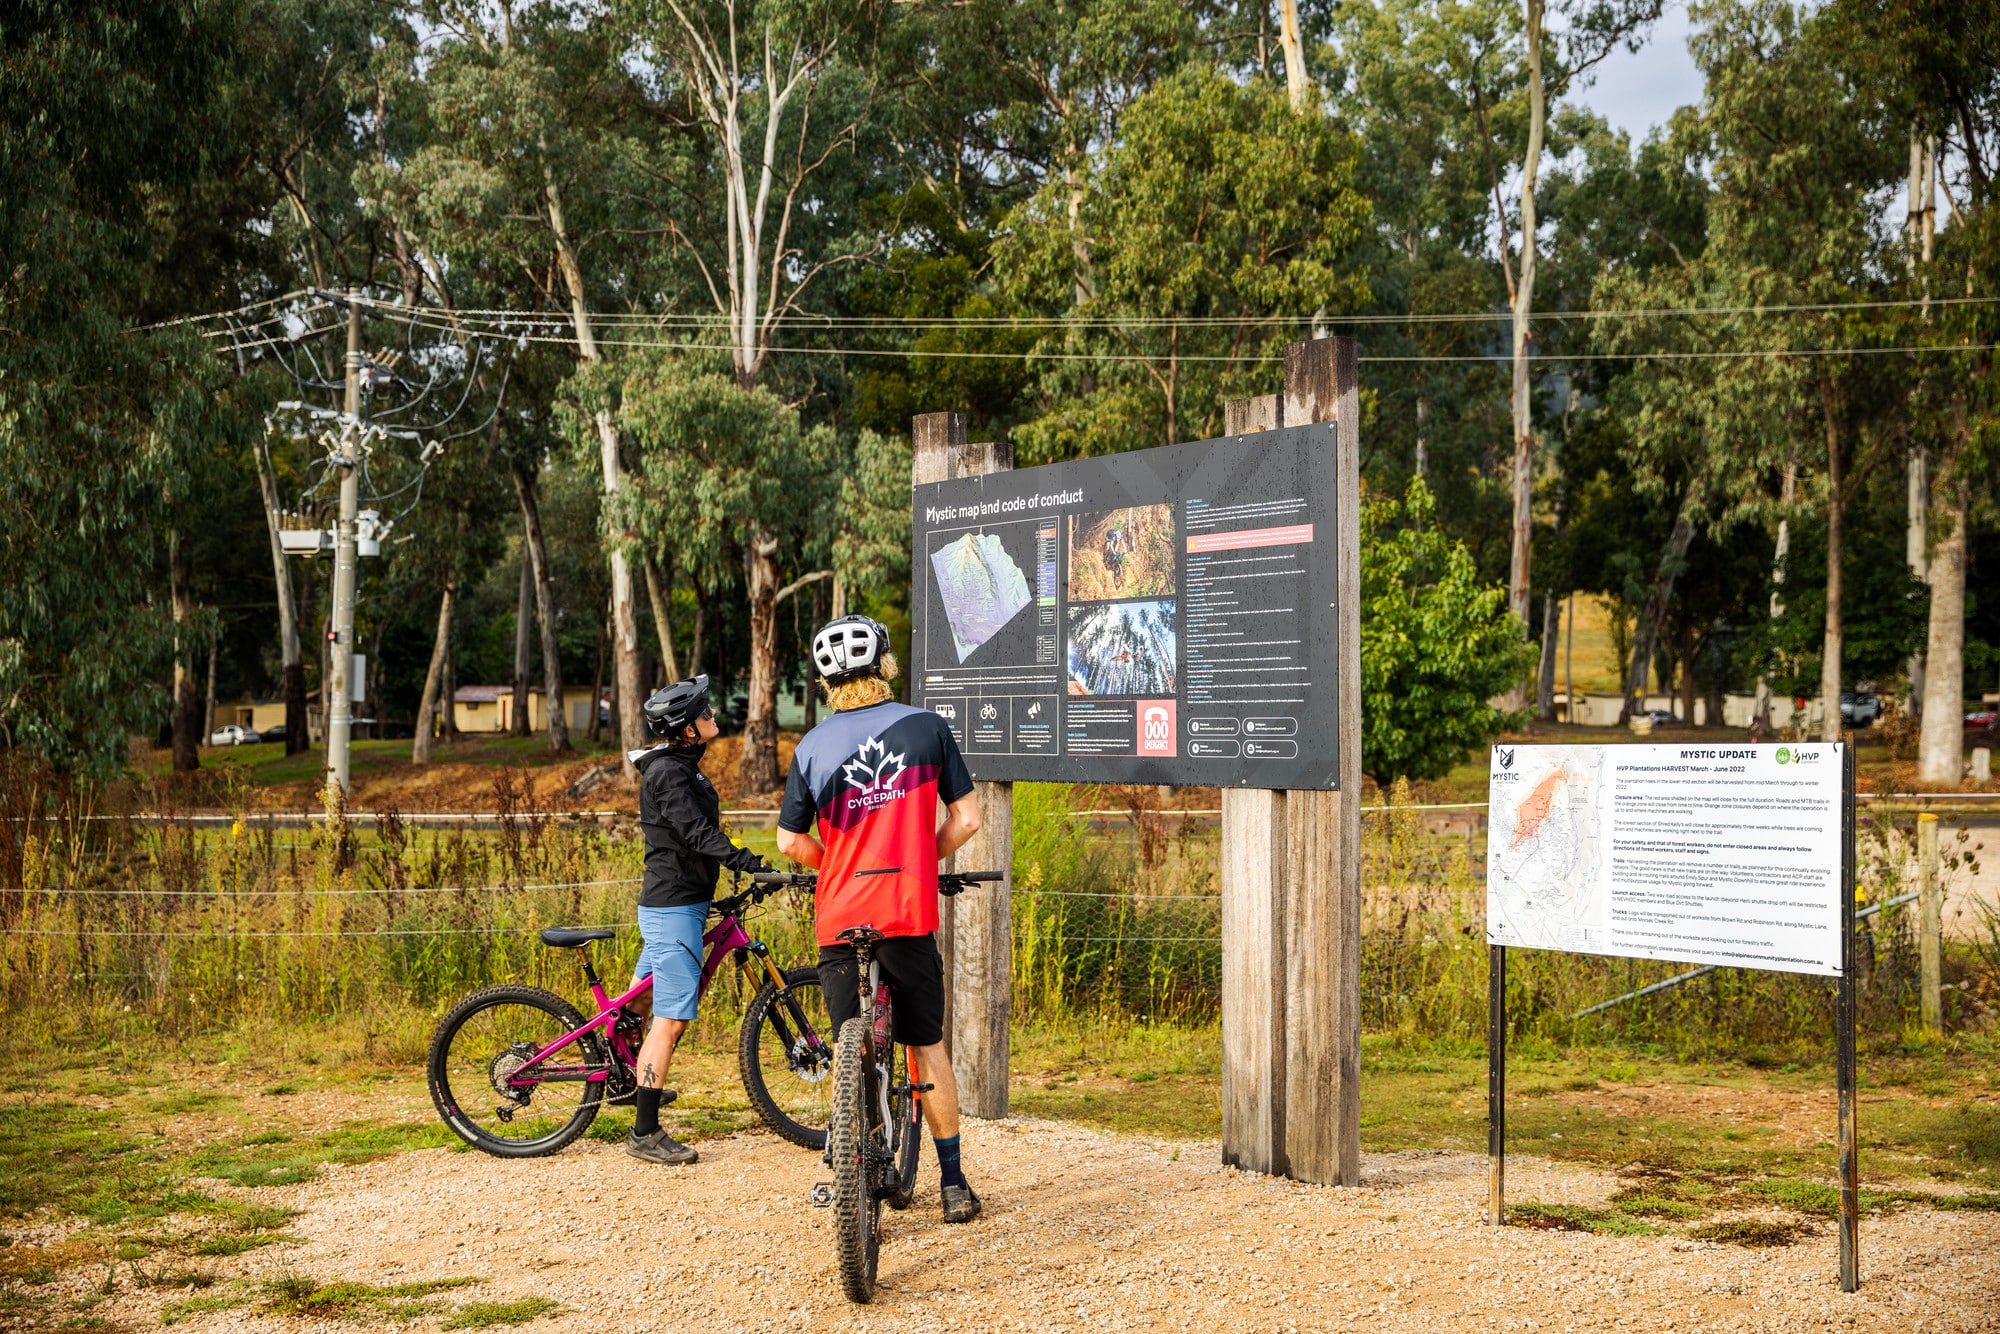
1717,854
1162,616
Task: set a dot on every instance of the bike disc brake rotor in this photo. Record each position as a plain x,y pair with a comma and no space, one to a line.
809,1063
503,1067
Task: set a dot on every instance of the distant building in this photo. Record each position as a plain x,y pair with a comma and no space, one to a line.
491,709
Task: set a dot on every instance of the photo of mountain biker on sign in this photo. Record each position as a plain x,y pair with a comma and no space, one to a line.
685,848
859,807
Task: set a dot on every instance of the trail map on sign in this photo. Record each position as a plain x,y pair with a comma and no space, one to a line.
1727,855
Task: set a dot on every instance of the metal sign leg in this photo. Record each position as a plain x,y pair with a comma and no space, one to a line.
1850,1148
1496,1085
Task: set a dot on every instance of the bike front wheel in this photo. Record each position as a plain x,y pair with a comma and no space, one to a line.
484,1041
786,1063
851,1143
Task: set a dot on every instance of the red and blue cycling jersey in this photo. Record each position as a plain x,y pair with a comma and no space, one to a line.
866,782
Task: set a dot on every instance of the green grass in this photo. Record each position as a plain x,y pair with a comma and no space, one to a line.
236,1243
1577,1218
302,1295
481,1315
1751,1232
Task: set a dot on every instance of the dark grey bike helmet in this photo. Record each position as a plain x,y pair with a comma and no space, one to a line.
849,647
671,709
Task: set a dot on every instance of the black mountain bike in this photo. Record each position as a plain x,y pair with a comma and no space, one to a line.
875,1125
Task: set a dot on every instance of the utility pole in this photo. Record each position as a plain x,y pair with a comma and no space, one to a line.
339,707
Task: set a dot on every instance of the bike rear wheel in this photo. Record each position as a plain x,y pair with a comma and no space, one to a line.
851,1143
487,1037
785,1061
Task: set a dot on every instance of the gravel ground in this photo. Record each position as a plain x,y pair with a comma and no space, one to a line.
1083,1231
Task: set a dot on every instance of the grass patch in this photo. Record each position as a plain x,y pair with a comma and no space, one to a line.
300,1294
281,1090
236,1243
176,1311
1975,1201
1577,1218
481,1315
268,1137
1751,1232
1651,1204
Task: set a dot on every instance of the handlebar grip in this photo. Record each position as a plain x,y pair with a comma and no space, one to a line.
973,877
768,877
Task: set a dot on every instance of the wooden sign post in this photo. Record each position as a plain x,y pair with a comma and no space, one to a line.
1291,867
976,929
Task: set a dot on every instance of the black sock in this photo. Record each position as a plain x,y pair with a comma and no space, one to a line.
948,1168
647,1122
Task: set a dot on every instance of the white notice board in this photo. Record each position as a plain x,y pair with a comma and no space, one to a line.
1721,854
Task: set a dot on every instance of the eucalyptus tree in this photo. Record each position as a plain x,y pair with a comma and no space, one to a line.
1794,147
735,473
532,131
1215,218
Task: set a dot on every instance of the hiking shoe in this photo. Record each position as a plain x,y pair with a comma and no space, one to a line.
660,1147
960,1204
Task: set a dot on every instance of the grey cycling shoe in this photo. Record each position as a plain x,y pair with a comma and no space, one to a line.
961,1205
660,1147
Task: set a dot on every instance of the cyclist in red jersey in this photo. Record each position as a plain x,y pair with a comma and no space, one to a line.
859,807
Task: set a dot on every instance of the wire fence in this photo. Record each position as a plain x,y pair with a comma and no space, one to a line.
1116,910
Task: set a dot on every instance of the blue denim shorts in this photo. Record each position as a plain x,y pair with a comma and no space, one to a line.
672,954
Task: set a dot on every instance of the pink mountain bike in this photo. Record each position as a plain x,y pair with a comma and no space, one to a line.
517,1072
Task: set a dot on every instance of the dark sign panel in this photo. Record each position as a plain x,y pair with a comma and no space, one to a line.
1163,616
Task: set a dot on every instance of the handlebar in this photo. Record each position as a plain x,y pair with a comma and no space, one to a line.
949,882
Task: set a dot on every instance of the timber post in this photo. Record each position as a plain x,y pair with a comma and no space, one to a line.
975,929
1291,868
1930,922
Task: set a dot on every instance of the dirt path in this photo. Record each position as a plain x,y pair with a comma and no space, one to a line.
1083,1231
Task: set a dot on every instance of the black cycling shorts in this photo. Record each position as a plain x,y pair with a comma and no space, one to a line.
915,974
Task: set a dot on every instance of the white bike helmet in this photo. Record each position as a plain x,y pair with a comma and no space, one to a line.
851,646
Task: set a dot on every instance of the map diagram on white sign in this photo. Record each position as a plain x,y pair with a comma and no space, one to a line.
1718,854
1545,830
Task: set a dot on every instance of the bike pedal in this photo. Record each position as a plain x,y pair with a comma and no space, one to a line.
822,1195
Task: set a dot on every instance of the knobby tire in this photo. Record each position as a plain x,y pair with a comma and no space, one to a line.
910,1142
447,1100
765,1009
857,1210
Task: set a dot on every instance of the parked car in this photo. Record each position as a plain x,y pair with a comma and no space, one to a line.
275,732
233,735
1983,725
1860,707
1660,717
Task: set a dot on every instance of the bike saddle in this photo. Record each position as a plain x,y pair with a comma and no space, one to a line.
860,935
571,937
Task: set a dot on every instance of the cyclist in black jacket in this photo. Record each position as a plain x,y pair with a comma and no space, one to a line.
685,849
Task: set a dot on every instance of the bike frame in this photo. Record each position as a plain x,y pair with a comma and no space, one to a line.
725,938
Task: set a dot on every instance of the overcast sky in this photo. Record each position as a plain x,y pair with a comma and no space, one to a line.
1637,92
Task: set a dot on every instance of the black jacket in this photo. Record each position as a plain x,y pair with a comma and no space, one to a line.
682,815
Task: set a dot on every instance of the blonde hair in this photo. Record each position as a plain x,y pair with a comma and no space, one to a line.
861,691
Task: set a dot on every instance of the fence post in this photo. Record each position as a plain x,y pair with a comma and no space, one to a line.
1930,918
975,929
1291,869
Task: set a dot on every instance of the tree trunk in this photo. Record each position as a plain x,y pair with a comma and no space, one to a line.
757,770
1760,721
524,613
545,609
1829,662
1687,646
656,593
812,678
1298,85
186,705
597,691
420,749
288,610
624,620
1655,616
1917,550
450,692
208,710
1524,301
1941,745
1545,694
700,628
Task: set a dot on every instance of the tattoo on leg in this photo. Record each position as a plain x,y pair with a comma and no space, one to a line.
648,1078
